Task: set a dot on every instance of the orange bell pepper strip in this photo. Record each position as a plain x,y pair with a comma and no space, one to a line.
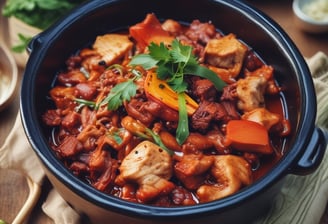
148,31
248,136
163,93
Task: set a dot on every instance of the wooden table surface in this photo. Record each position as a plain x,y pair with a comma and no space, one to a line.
14,189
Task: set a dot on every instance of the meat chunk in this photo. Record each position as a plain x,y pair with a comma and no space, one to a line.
250,91
190,170
102,163
150,167
71,120
196,143
52,118
71,77
206,113
172,26
231,174
137,109
112,47
204,89
227,54
63,97
86,90
69,147
201,32
262,116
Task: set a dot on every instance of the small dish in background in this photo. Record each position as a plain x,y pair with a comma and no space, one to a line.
311,15
8,77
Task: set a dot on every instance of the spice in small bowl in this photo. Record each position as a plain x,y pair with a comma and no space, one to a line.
311,15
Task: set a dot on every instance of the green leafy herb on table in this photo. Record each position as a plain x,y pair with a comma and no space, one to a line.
37,13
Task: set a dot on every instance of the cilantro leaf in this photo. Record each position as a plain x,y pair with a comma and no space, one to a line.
159,52
120,93
182,53
144,60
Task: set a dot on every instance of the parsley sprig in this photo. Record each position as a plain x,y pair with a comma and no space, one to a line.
172,65
120,93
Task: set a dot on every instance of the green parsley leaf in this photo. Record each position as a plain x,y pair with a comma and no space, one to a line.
182,53
120,93
144,60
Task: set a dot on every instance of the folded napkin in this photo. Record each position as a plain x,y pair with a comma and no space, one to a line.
302,199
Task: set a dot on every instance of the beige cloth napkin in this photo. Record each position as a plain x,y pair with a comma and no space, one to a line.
302,199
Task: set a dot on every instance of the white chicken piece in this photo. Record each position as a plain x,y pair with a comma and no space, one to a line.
226,53
112,47
231,173
250,93
262,116
150,167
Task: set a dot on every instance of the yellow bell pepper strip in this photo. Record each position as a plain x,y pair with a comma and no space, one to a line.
161,91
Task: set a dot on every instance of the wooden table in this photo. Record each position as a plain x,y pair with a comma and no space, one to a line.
14,189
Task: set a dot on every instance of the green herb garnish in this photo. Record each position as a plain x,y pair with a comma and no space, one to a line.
83,102
172,65
120,93
38,13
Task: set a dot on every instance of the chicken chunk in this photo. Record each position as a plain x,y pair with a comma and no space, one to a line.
231,173
227,54
262,116
150,167
250,92
112,47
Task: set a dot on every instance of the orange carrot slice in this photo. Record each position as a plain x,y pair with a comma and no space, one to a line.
161,91
248,136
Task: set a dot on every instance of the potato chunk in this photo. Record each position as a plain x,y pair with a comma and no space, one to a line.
150,167
231,173
112,47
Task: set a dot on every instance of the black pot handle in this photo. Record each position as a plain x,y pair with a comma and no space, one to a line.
34,43
313,154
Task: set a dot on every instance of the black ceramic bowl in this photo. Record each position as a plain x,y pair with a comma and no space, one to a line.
49,50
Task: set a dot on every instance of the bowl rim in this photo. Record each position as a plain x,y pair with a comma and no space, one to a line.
128,208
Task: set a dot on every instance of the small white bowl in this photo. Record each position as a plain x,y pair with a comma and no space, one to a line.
8,77
307,22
